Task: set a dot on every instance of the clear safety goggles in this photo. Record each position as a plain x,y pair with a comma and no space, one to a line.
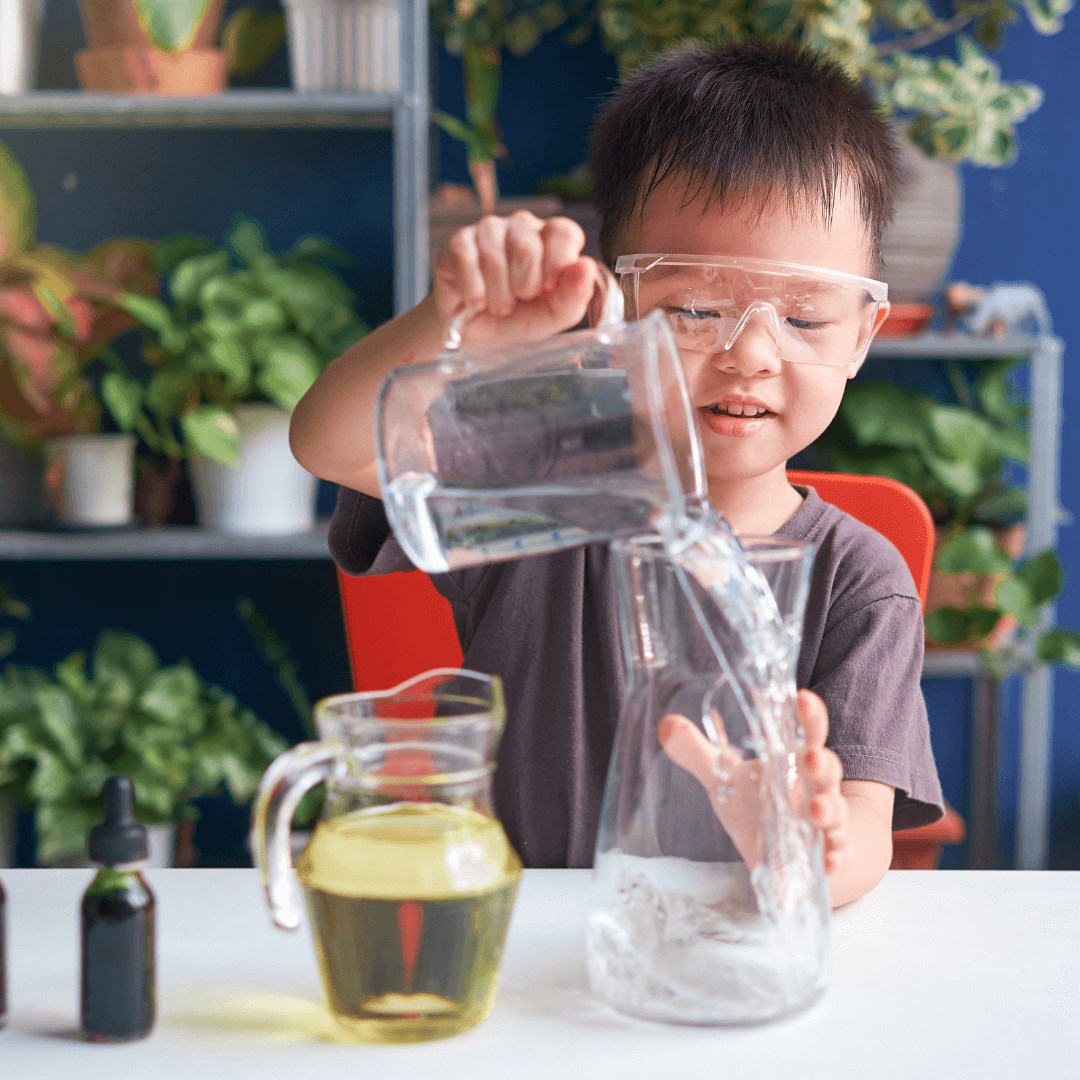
815,316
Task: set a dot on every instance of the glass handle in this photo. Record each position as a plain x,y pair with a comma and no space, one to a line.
289,778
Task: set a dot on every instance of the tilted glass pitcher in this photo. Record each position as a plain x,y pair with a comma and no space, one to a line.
409,878
533,448
711,901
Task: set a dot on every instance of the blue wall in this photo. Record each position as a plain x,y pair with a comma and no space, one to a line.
1019,225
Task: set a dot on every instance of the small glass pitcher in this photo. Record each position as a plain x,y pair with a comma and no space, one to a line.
533,448
409,878
711,902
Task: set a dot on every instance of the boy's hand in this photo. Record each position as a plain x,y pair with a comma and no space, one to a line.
733,782
521,278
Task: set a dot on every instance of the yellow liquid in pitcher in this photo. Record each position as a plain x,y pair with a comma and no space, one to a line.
409,908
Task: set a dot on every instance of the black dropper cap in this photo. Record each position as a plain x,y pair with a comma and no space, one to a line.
119,838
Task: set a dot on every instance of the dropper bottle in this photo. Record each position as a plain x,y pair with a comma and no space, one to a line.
117,998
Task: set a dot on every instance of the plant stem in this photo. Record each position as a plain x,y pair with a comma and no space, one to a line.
922,38
960,386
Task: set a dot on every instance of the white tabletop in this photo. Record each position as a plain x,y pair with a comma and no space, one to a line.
935,974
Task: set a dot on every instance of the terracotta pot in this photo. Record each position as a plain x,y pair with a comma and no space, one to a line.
961,590
150,71
113,24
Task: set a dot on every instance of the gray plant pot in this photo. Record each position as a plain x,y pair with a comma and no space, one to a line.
918,247
21,502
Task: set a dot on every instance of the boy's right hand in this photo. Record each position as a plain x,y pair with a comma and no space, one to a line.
521,278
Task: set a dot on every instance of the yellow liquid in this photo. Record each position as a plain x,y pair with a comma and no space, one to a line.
409,908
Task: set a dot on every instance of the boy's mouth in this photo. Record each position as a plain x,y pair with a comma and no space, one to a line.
736,417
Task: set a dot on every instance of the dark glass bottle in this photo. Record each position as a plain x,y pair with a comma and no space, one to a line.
117,999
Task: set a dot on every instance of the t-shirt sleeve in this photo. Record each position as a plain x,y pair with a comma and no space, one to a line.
868,673
360,539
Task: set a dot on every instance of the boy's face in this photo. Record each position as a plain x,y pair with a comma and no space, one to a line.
801,399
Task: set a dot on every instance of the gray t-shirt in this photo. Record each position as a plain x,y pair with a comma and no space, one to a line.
548,626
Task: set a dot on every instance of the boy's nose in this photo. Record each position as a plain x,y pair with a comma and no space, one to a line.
753,346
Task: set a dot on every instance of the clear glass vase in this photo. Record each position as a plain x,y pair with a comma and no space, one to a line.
711,904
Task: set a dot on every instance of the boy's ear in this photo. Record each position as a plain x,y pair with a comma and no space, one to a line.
879,320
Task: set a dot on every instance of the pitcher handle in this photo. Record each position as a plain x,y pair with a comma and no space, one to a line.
288,779
606,309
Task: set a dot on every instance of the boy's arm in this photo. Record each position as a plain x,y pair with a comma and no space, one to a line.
867,850
522,278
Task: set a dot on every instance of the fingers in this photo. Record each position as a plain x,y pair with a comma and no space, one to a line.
814,718
686,744
501,262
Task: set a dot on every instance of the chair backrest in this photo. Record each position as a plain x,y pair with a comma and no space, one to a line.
398,625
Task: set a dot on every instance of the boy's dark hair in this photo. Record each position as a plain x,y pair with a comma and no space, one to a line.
747,119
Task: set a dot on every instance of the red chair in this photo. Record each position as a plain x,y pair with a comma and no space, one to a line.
398,625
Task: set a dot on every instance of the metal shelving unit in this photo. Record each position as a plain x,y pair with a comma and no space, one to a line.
1044,354
405,114
167,544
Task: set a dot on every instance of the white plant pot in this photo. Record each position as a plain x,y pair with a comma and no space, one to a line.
269,494
20,36
91,478
344,45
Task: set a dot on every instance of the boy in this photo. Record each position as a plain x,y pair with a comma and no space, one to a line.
734,158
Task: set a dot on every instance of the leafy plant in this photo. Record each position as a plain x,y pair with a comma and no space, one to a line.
479,31
249,37
56,317
957,108
955,457
1019,590
177,737
242,324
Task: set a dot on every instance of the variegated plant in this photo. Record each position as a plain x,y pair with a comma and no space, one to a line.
958,108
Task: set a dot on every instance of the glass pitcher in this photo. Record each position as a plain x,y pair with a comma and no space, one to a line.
711,902
533,448
409,878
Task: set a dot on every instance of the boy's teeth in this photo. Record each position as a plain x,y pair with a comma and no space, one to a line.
731,409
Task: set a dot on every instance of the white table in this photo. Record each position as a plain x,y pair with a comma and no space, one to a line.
935,974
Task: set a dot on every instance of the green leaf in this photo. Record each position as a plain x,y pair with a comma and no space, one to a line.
264,316
211,430
251,37
957,432
318,249
287,367
1013,597
952,626
168,391
187,280
60,721
171,24
229,358
883,414
171,695
1059,646
1043,574
18,222
173,250
972,551
249,243
120,655
150,312
1002,507
123,398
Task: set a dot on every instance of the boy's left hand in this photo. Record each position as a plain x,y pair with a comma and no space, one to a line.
737,801
820,773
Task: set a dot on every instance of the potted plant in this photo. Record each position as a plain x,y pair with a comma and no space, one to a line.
56,320
345,45
170,46
950,110
244,334
480,33
178,738
956,456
